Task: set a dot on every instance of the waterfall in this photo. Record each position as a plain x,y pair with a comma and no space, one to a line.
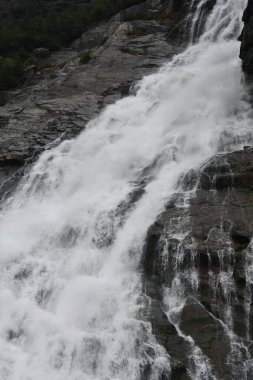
71,237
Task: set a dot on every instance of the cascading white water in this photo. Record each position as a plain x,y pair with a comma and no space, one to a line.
218,25
71,237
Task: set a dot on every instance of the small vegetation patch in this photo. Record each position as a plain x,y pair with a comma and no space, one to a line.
85,58
11,72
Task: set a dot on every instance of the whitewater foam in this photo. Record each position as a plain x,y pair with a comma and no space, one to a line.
71,289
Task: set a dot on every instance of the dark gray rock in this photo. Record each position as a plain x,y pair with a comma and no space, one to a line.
246,38
216,232
208,333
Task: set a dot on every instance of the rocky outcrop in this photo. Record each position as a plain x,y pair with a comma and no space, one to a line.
62,94
246,38
199,251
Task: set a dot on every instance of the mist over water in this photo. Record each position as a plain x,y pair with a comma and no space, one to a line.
71,237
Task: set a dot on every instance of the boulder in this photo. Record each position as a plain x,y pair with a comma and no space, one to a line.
41,53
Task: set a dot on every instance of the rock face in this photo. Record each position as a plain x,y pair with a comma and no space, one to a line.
198,256
62,95
246,38
199,250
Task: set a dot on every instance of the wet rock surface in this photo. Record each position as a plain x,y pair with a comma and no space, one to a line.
199,252
62,95
246,38
201,243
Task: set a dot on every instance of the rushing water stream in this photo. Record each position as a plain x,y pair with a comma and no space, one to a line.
71,237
